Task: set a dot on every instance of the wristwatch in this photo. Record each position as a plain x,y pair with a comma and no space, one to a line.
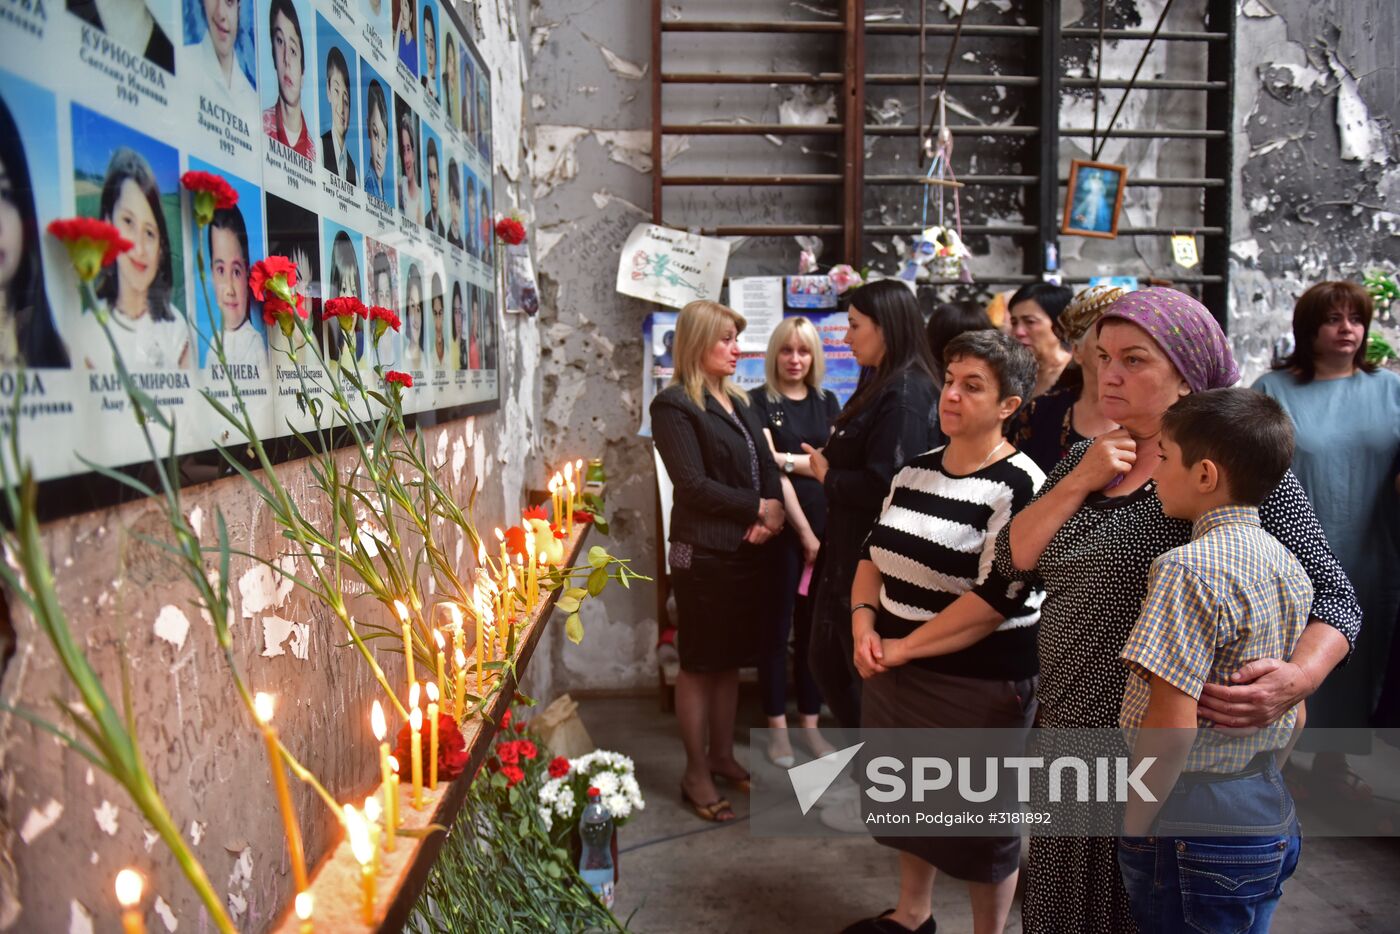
788,466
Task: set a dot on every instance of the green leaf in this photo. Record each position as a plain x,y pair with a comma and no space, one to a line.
598,557
597,580
568,604
601,524
573,628
578,593
118,476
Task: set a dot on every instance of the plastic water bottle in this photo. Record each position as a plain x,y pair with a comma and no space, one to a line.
595,829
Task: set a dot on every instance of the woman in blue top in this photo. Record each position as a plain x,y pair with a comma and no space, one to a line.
1347,458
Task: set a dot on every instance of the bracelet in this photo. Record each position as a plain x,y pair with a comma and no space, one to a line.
865,606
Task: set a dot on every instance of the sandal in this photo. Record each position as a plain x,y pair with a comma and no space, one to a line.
714,811
740,784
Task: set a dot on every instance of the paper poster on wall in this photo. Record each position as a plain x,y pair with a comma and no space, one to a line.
671,267
760,300
346,130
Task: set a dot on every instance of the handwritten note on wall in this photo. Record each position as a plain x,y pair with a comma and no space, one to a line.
671,267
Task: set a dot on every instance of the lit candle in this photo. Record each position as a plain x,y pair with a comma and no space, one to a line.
460,706
407,639
394,793
530,572
263,707
508,598
441,663
553,487
578,469
415,723
569,515
568,476
372,815
391,803
305,903
433,695
363,851
479,648
129,886
501,537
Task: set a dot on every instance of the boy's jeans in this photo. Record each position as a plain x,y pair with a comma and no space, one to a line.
1223,850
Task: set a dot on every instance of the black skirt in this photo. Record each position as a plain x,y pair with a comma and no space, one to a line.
910,697
723,601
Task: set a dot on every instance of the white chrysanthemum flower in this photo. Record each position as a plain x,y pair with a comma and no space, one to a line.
564,805
606,783
618,806
547,818
550,791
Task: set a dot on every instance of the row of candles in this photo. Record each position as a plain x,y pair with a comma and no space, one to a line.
494,601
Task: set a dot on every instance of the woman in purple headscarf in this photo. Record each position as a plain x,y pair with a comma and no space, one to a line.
1090,535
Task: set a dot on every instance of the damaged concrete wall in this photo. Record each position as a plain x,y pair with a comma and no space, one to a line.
1317,157
66,829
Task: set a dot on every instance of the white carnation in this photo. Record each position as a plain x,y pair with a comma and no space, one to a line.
547,818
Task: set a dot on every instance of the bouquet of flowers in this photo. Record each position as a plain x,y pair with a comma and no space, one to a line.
561,799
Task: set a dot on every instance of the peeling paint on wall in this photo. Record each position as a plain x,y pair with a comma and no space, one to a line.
39,820
167,917
79,918
620,66
277,630
106,817
172,625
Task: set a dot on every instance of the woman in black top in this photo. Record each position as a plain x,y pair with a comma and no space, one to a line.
795,410
886,423
726,509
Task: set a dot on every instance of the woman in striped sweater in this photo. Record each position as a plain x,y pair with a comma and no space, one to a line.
941,639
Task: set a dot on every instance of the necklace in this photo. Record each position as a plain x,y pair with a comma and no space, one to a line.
990,453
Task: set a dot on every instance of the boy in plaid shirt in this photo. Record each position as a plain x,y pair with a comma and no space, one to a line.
1224,832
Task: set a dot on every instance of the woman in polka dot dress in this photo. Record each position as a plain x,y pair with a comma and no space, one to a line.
1089,537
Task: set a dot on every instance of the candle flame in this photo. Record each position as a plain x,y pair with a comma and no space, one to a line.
460,659
413,696
568,471
358,832
129,886
376,721
553,484
437,637
415,720
432,693
305,902
501,535
530,547
373,809
456,612
578,466
402,610
480,555
510,578
394,764
262,706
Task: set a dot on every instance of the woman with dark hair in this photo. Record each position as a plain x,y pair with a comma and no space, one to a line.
27,333
1034,317
440,334
1049,425
413,318
943,639
948,321
149,332
344,281
410,190
1347,457
474,344
886,423
459,314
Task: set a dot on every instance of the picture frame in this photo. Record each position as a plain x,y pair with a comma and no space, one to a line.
1094,199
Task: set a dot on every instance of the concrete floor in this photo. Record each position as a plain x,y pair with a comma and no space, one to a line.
680,874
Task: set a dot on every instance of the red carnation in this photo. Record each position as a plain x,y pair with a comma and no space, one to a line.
401,378
505,719
275,274
508,753
535,512
211,193
384,319
558,767
527,749
509,230
91,243
582,515
515,540
224,195
513,775
452,748
347,310
284,315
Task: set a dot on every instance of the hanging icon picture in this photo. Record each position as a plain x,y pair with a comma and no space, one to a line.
1094,199
1184,251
